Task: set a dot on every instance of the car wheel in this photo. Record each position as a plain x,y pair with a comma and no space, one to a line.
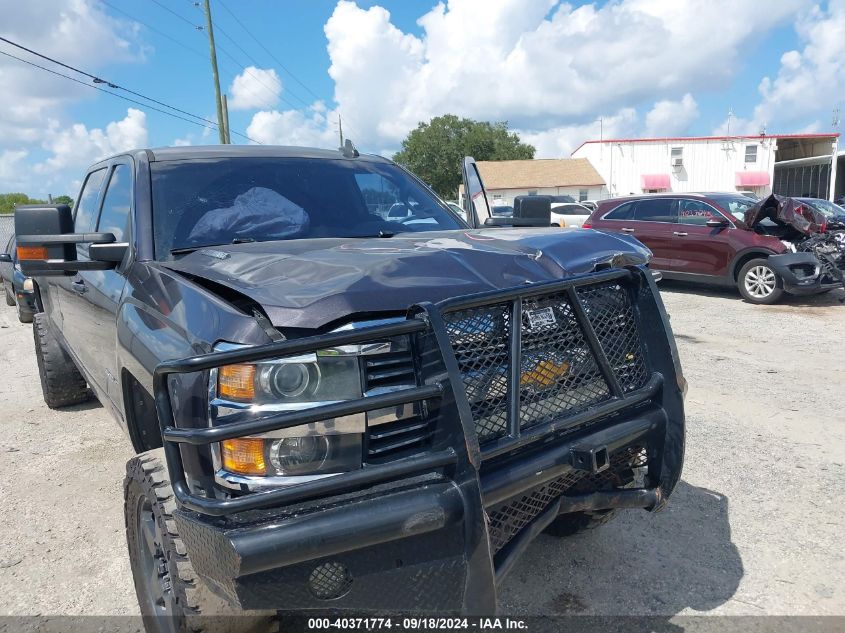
172,597
10,298
759,283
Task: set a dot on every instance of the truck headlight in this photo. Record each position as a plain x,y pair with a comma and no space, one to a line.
291,384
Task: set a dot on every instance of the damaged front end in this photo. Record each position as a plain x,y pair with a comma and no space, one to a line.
529,402
816,258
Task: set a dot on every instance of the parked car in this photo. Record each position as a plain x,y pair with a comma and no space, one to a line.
708,238
356,414
19,290
833,212
502,210
561,198
592,205
749,194
569,214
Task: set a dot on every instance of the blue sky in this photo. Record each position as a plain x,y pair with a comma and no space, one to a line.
646,67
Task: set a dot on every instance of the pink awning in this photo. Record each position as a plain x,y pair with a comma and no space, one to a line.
752,179
655,181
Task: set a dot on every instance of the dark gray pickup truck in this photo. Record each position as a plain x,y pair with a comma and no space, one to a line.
344,396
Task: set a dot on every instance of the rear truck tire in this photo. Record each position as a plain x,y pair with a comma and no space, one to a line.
61,382
758,283
23,317
172,597
10,298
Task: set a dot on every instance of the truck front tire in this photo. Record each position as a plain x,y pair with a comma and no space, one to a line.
61,382
171,595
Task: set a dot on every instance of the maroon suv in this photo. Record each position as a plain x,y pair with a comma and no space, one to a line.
703,238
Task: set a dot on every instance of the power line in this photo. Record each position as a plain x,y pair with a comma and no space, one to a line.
120,96
154,29
266,50
98,80
272,56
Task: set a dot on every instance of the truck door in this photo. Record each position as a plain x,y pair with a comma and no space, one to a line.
475,202
91,298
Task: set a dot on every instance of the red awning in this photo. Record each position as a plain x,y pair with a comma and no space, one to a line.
752,179
655,181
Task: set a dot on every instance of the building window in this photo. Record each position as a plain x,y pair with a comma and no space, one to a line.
582,194
750,153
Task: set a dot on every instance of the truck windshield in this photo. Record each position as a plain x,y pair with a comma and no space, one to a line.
210,202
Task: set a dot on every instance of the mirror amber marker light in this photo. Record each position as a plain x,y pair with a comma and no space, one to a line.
32,252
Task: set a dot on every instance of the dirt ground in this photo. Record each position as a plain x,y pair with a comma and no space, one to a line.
754,528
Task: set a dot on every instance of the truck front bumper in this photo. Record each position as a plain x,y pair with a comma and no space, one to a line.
439,530
405,547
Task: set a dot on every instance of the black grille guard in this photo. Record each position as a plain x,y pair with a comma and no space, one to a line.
456,451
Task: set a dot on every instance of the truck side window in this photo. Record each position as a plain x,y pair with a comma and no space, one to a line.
114,218
86,208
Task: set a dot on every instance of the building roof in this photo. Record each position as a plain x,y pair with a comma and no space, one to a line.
737,137
531,174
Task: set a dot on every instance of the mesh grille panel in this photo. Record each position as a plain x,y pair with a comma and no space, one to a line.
610,312
479,339
329,581
506,521
559,374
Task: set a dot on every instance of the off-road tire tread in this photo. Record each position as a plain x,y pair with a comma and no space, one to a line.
61,382
23,317
146,474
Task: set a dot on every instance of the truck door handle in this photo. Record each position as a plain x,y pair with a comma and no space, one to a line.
680,233
78,287
627,230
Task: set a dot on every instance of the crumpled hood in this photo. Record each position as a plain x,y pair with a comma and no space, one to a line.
309,283
786,212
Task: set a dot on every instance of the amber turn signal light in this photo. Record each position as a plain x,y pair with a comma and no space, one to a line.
32,252
236,382
244,455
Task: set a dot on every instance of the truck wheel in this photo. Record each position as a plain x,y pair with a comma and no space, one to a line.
758,283
171,595
576,522
61,382
10,298
23,317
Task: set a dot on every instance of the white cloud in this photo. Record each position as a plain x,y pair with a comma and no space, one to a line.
671,118
293,127
560,141
11,165
255,88
539,64
77,146
811,80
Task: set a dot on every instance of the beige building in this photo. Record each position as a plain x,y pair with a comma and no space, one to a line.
506,179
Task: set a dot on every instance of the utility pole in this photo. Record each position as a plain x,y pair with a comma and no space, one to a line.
226,120
221,123
340,129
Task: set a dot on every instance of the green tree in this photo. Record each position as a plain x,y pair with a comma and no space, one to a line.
63,200
434,150
8,201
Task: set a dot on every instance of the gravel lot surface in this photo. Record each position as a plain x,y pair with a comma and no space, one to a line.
755,527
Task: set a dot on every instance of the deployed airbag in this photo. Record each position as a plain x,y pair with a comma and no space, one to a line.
259,213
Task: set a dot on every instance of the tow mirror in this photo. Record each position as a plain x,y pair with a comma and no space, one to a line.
716,223
47,243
